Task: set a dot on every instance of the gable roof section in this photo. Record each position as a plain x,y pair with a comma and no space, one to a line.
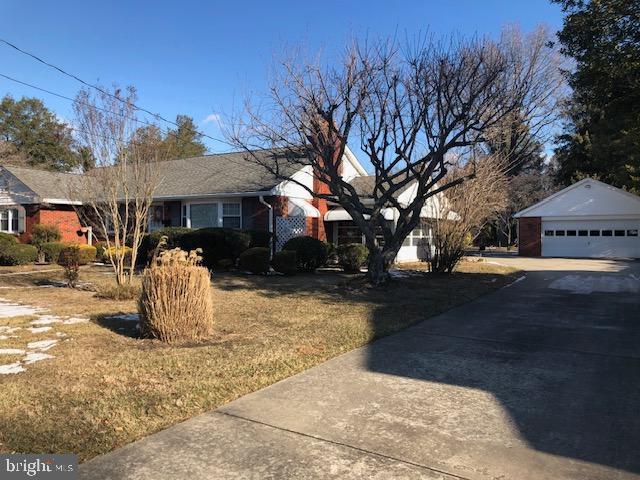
586,198
365,184
47,186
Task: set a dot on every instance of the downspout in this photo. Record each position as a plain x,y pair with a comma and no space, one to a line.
270,209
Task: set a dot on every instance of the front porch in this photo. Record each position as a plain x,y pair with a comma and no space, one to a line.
418,245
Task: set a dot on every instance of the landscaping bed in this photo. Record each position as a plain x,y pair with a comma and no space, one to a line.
104,387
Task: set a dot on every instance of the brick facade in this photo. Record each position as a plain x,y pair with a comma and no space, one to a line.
530,236
62,216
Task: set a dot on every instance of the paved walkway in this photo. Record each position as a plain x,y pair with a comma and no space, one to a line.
535,381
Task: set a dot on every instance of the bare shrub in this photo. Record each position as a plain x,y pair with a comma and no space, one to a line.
466,209
175,304
70,259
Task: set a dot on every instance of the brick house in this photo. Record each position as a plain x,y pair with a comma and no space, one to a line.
219,190
30,196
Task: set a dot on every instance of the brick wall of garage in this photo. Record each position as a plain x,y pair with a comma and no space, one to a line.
529,236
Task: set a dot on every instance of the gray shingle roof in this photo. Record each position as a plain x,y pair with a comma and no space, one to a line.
365,184
45,183
234,172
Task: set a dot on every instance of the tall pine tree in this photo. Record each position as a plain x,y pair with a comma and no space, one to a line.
602,133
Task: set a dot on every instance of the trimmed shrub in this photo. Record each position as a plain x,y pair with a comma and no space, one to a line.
176,304
311,253
7,238
85,253
113,291
226,264
150,241
100,246
13,253
41,234
51,251
255,260
352,256
70,259
126,251
216,243
259,238
284,261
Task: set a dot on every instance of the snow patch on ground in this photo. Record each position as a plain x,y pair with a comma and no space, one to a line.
46,320
8,329
586,284
74,320
11,351
11,368
8,309
38,329
33,357
41,345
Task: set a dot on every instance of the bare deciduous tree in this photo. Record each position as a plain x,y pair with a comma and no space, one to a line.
467,208
116,196
409,109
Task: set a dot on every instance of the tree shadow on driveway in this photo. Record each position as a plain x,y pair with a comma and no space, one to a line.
562,367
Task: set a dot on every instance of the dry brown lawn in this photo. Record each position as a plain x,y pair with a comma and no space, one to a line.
106,388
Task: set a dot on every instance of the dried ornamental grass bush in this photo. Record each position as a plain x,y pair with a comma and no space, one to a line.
175,304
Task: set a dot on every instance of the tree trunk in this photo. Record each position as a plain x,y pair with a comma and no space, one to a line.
377,269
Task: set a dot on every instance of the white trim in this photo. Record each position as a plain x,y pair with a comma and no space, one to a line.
10,210
353,160
302,205
61,201
211,195
584,181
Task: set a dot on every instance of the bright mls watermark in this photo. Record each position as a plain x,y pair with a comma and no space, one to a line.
41,466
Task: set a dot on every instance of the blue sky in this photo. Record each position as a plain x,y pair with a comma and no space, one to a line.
201,58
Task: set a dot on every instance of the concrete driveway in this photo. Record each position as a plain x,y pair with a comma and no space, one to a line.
539,380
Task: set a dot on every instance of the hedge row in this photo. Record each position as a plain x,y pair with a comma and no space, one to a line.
216,243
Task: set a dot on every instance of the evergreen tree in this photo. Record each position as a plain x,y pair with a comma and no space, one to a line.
602,132
185,140
31,134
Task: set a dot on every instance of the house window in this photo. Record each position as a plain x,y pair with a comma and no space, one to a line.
418,237
9,220
619,233
571,233
231,215
204,215
559,233
582,233
348,233
594,233
632,233
548,233
607,233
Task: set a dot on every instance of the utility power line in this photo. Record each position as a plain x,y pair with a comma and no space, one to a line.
105,92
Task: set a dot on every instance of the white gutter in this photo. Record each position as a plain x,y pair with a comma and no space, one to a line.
270,209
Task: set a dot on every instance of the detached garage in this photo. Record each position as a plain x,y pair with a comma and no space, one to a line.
587,219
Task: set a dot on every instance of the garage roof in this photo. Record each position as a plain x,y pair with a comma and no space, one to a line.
586,198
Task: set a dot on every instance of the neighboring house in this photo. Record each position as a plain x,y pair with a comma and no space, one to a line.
220,190
586,219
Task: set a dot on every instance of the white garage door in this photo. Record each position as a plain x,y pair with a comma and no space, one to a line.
591,238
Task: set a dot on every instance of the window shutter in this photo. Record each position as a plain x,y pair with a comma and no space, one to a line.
21,219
